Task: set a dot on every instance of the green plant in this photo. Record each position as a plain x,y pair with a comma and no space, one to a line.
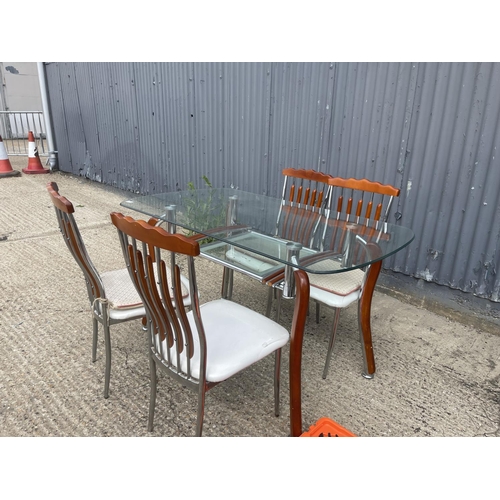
204,212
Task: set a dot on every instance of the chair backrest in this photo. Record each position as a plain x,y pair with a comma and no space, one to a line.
375,198
171,336
354,200
72,237
305,200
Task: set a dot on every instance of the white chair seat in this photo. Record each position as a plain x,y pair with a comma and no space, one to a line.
118,315
231,332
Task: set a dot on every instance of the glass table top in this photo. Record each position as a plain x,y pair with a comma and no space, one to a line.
260,234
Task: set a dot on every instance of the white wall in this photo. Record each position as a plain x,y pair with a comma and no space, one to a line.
21,88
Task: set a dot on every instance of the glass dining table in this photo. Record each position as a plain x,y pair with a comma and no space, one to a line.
262,237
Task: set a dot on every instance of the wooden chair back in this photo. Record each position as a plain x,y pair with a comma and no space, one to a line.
171,338
72,237
358,201
362,198
305,199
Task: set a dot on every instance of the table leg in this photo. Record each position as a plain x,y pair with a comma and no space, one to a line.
297,334
292,254
227,275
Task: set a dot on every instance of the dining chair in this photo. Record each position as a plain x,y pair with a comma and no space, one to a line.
205,346
305,200
112,295
352,200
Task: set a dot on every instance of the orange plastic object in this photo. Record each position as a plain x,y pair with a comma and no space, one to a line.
326,427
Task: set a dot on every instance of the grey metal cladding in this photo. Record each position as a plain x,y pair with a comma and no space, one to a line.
453,181
432,129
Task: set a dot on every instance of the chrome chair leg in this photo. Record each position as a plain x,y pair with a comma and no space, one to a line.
230,285
107,375
269,301
332,342
277,376
152,397
201,409
278,305
95,326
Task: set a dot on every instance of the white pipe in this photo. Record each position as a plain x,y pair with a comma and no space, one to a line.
47,116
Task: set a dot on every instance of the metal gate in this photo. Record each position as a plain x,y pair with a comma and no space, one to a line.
14,128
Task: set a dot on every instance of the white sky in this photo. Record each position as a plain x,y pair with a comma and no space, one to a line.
255,30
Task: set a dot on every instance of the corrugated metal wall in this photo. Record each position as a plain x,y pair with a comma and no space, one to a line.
431,129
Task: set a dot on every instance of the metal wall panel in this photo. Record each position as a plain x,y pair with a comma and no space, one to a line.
453,178
431,129
300,118
247,90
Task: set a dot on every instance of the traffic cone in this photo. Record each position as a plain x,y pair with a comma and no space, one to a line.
34,163
6,169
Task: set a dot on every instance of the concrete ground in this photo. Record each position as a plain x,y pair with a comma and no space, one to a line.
437,373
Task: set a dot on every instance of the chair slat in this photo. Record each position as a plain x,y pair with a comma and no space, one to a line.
359,208
320,199
306,196
349,206
368,209
299,195
340,203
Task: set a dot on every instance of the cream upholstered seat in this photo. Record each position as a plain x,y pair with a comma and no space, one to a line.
339,292
123,299
121,291
112,295
210,343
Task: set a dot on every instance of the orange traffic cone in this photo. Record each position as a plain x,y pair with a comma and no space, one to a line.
34,163
6,169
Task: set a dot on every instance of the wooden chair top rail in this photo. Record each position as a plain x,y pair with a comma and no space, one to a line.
364,185
60,202
311,175
154,235
350,183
